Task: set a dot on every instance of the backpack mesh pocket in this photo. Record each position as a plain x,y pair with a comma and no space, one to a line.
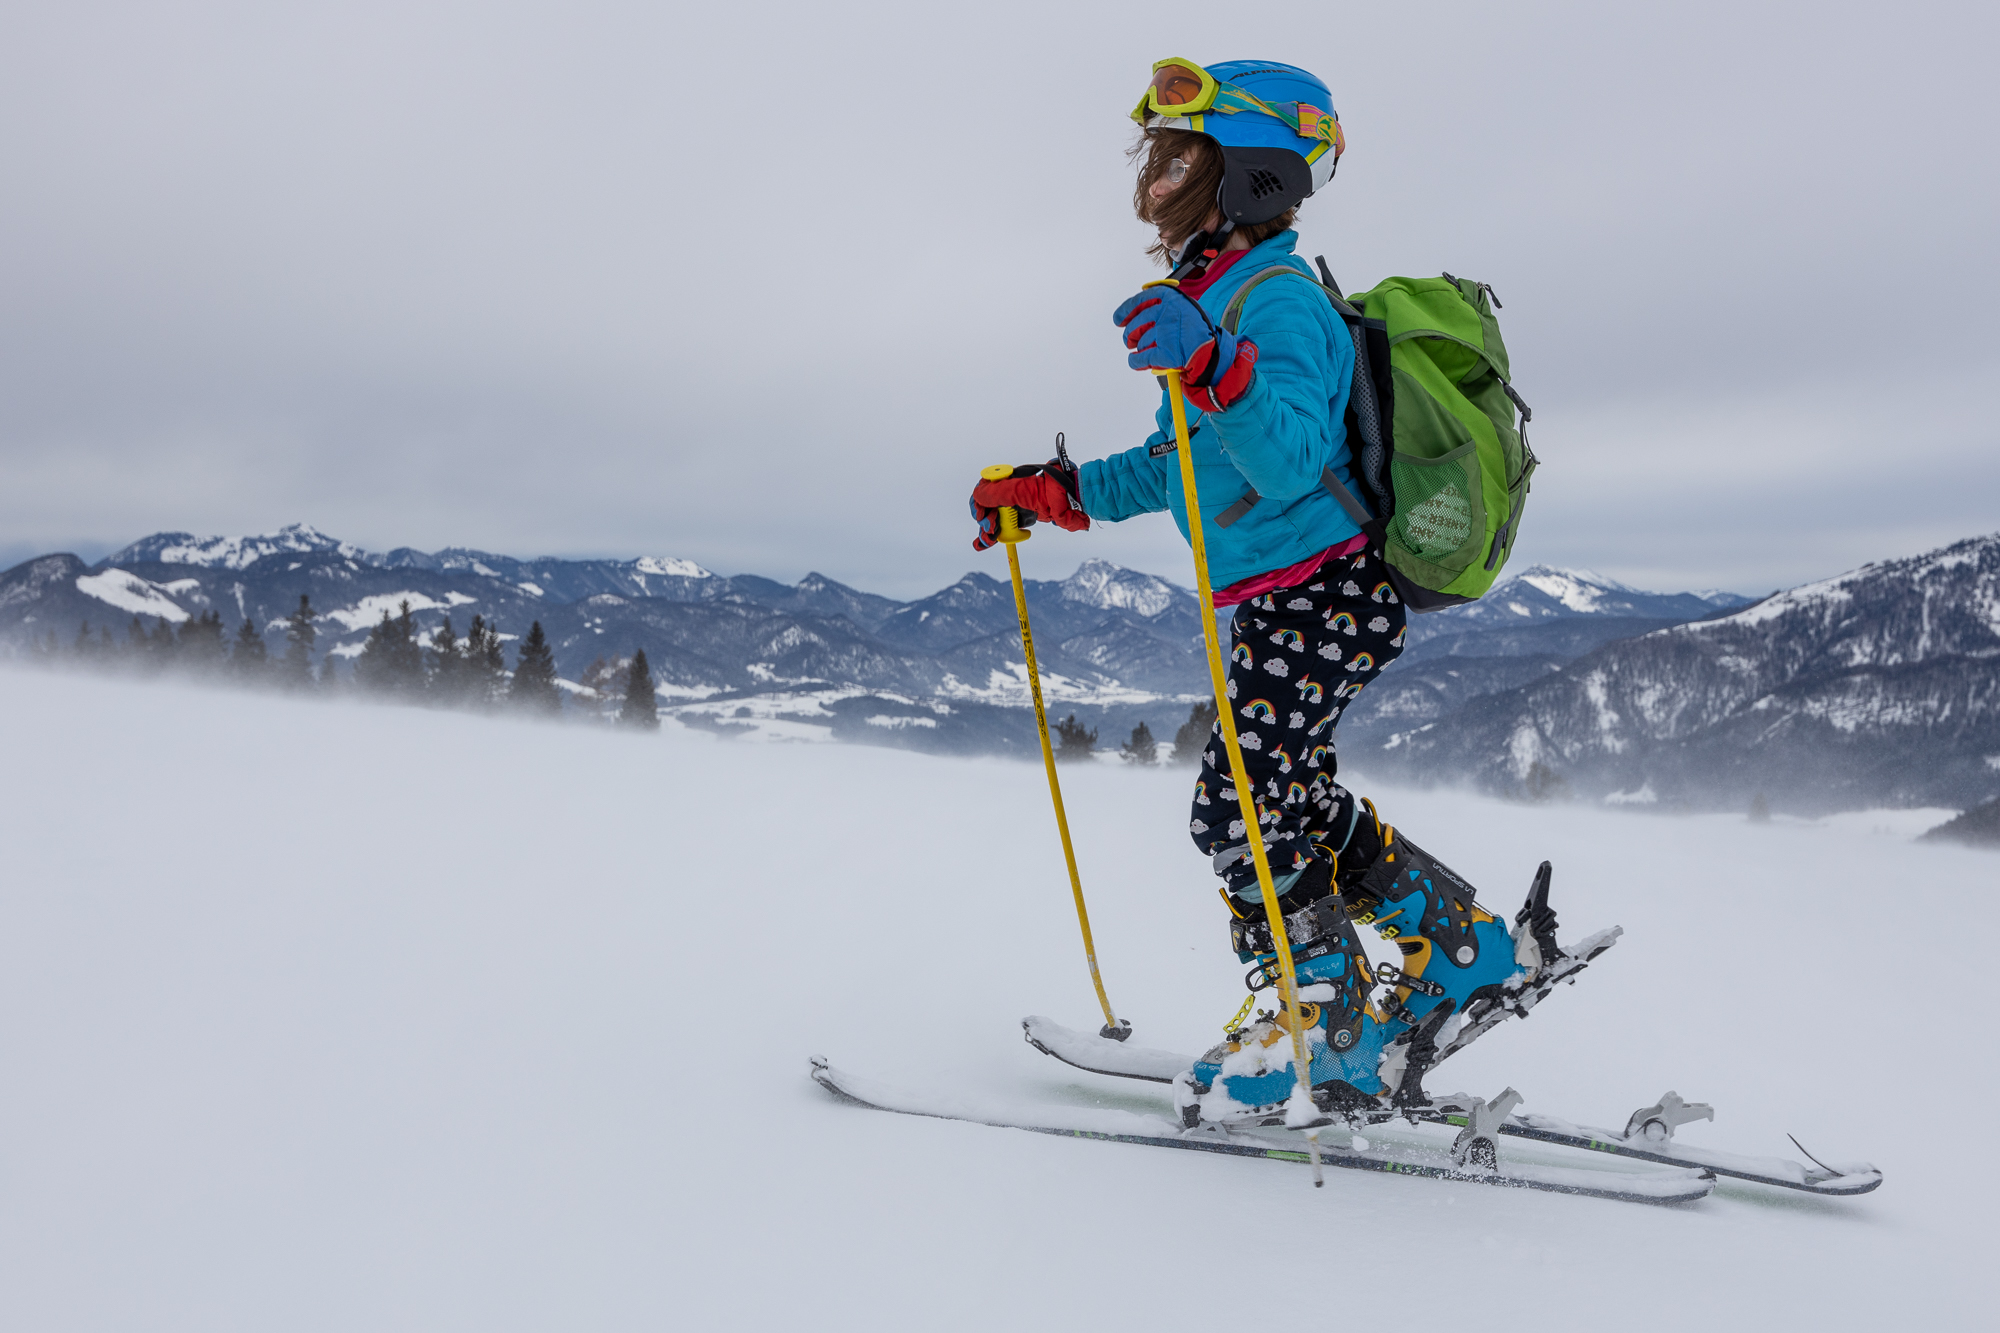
1440,518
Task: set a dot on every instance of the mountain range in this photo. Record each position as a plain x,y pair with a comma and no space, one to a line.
1877,688
1557,676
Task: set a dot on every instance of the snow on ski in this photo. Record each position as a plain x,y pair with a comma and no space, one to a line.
1666,1187
1094,1055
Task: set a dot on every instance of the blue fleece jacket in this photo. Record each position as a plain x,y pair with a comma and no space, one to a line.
1277,438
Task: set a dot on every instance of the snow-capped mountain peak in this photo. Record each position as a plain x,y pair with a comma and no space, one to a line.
1101,584
668,565
1547,592
184,548
1582,591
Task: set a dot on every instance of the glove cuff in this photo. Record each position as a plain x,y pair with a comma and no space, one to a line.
1227,389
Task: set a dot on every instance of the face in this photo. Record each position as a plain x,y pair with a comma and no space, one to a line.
1169,181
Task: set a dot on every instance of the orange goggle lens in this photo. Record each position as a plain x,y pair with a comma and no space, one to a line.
1177,85
1179,88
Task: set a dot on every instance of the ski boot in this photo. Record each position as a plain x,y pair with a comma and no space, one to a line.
1249,1076
1455,952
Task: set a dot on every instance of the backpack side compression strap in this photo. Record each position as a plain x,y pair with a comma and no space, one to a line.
1335,487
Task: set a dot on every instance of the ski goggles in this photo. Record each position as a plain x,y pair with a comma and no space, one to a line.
1181,88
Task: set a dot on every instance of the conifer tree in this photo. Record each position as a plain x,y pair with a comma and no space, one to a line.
1192,738
447,665
534,687
249,660
485,666
201,646
1141,748
162,644
391,662
1074,740
300,635
642,705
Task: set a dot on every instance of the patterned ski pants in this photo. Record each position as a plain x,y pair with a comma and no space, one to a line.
1297,657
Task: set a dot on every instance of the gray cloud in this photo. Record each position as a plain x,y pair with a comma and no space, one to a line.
765,287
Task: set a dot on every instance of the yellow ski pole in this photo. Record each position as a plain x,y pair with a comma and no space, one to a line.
1011,535
1288,986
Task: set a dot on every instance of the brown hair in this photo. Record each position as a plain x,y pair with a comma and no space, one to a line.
1188,205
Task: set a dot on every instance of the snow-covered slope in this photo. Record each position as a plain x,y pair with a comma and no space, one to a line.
300,1034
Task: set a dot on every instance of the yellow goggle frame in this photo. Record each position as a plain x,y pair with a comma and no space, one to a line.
1167,94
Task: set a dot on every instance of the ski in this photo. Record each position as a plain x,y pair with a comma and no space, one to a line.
1669,1187
1825,1178
1089,1053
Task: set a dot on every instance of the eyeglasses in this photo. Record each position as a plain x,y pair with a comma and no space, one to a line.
1175,173
1179,88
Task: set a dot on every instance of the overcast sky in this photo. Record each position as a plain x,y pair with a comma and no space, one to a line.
764,285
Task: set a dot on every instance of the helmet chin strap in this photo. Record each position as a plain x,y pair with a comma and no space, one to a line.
1198,251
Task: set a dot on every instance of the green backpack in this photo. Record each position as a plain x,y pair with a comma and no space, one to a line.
1430,421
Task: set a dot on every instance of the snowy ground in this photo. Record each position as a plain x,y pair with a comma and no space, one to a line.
347,1018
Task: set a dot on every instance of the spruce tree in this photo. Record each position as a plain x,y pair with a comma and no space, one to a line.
534,687
1142,748
642,705
201,642
447,666
485,666
391,663
1073,740
300,635
249,661
163,645
1192,738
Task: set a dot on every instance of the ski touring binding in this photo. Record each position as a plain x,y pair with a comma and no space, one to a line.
1477,1147
1657,1123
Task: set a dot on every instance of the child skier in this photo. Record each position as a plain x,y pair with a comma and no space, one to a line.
1228,154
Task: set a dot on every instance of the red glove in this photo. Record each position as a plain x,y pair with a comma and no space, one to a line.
1229,385
1046,493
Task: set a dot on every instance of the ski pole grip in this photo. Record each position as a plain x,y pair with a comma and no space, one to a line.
1010,518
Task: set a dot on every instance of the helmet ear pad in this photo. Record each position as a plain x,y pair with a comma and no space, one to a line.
1260,183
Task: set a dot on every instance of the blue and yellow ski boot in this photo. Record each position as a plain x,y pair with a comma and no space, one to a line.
1249,1076
1455,952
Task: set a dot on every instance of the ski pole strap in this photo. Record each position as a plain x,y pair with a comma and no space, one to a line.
1316,920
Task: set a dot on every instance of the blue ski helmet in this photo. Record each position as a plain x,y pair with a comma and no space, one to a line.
1275,124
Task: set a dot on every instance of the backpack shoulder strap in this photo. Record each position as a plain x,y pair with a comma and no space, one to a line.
1342,496
1233,312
